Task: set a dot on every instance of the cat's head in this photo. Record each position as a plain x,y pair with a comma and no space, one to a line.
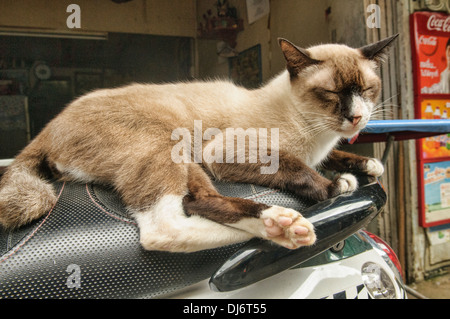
334,84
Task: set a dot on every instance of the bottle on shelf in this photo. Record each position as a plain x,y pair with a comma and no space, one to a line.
437,114
428,114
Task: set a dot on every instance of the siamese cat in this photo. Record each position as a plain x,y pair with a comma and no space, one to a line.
124,137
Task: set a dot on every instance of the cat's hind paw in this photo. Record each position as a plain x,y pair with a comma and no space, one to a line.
287,227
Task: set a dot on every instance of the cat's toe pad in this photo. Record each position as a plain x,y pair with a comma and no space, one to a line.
287,227
346,183
374,167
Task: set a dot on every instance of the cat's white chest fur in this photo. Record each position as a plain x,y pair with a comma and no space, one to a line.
323,144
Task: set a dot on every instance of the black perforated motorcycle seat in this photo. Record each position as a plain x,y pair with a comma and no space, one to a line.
88,247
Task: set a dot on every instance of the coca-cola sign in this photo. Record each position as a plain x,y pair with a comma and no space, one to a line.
438,23
430,34
428,44
431,23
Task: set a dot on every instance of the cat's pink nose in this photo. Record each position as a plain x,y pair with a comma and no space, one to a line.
356,119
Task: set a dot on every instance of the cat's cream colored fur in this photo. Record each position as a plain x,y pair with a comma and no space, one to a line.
122,137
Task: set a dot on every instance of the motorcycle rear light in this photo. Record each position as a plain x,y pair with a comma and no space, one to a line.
388,250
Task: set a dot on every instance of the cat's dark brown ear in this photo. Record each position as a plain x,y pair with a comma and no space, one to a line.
377,51
297,58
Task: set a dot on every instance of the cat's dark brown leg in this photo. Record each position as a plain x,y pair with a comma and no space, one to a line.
185,213
281,225
341,161
292,175
204,200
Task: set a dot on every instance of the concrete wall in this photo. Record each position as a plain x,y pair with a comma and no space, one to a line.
300,21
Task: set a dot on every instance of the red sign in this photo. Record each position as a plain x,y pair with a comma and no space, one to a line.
431,32
437,23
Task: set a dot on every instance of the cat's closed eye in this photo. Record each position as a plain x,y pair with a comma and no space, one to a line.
325,90
333,92
370,91
365,91
325,94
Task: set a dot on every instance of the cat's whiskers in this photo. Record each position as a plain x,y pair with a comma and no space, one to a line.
320,118
382,109
318,126
383,113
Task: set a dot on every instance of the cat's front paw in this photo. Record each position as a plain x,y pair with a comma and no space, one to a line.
287,227
344,183
374,167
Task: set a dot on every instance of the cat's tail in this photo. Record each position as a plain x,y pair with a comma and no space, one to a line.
25,194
